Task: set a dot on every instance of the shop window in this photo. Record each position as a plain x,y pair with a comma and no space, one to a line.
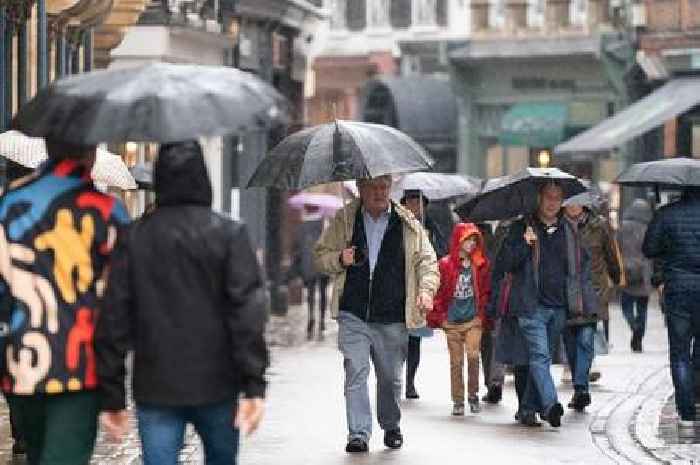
356,11
401,14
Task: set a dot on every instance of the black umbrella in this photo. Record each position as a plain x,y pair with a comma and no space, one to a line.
143,175
339,151
671,173
509,196
158,102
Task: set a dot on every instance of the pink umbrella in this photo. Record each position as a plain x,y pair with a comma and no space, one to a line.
327,203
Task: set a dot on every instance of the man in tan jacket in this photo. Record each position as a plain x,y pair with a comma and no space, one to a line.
385,275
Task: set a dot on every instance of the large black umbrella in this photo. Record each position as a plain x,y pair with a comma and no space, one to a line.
671,173
339,151
157,102
513,195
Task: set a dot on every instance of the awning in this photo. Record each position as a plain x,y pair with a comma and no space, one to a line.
534,124
674,98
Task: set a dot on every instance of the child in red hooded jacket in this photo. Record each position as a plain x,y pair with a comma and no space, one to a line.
460,309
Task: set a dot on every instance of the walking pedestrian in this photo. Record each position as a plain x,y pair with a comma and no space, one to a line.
549,268
383,285
635,291
510,345
494,370
673,237
459,309
308,233
13,174
186,293
56,238
417,203
595,235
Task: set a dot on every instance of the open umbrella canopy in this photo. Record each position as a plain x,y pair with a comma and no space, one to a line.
437,186
328,204
30,152
158,102
509,196
670,173
339,151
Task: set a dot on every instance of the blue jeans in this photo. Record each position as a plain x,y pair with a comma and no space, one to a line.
162,431
637,322
683,319
386,345
579,342
542,330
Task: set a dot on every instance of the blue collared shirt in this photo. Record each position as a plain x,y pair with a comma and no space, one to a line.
374,231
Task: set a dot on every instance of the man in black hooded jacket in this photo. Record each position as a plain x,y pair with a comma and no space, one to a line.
186,293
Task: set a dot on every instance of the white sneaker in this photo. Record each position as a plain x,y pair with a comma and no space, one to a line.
458,410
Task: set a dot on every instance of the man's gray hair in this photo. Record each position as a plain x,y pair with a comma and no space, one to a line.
386,178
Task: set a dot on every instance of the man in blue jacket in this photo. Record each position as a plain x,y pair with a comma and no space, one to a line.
673,237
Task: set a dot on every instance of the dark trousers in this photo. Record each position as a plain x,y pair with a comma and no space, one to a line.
412,360
16,425
322,284
494,371
634,308
683,320
59,429
520,375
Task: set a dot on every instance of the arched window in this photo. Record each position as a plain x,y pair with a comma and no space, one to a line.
356,14
401,14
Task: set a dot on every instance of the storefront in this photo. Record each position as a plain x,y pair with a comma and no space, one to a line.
518,99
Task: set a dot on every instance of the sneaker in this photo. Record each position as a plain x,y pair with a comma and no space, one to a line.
393,439
411,392
494,395
554,415
474,405
356,445
458,410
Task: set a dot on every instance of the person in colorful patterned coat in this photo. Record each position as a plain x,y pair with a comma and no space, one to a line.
56,236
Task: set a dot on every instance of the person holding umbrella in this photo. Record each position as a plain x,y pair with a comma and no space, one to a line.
550,283
673,236
57,233
384,280
186,293
596,235
417,203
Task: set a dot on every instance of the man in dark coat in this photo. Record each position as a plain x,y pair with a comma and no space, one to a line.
418,204
674,237
551,284
186,293
303,267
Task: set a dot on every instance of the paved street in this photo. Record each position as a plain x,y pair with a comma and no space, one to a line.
305,421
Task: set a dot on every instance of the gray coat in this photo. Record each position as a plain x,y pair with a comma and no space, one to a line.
637,269
303,267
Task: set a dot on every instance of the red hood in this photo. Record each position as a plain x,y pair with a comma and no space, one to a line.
460,233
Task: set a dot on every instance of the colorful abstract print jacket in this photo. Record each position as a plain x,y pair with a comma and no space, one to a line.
56,235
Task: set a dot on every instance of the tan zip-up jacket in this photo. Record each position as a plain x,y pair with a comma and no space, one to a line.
421,264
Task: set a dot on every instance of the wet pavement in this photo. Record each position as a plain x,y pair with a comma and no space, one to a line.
305,421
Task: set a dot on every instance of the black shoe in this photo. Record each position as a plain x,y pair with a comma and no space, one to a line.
494,395
554,415
356,445
636,342
393,439
528,419
310,330
580,401
411,392
19,448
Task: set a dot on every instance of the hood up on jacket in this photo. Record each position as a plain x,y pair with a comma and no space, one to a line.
181,176
460,233
640,211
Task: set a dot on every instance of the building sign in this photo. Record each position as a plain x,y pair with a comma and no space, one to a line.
535,83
